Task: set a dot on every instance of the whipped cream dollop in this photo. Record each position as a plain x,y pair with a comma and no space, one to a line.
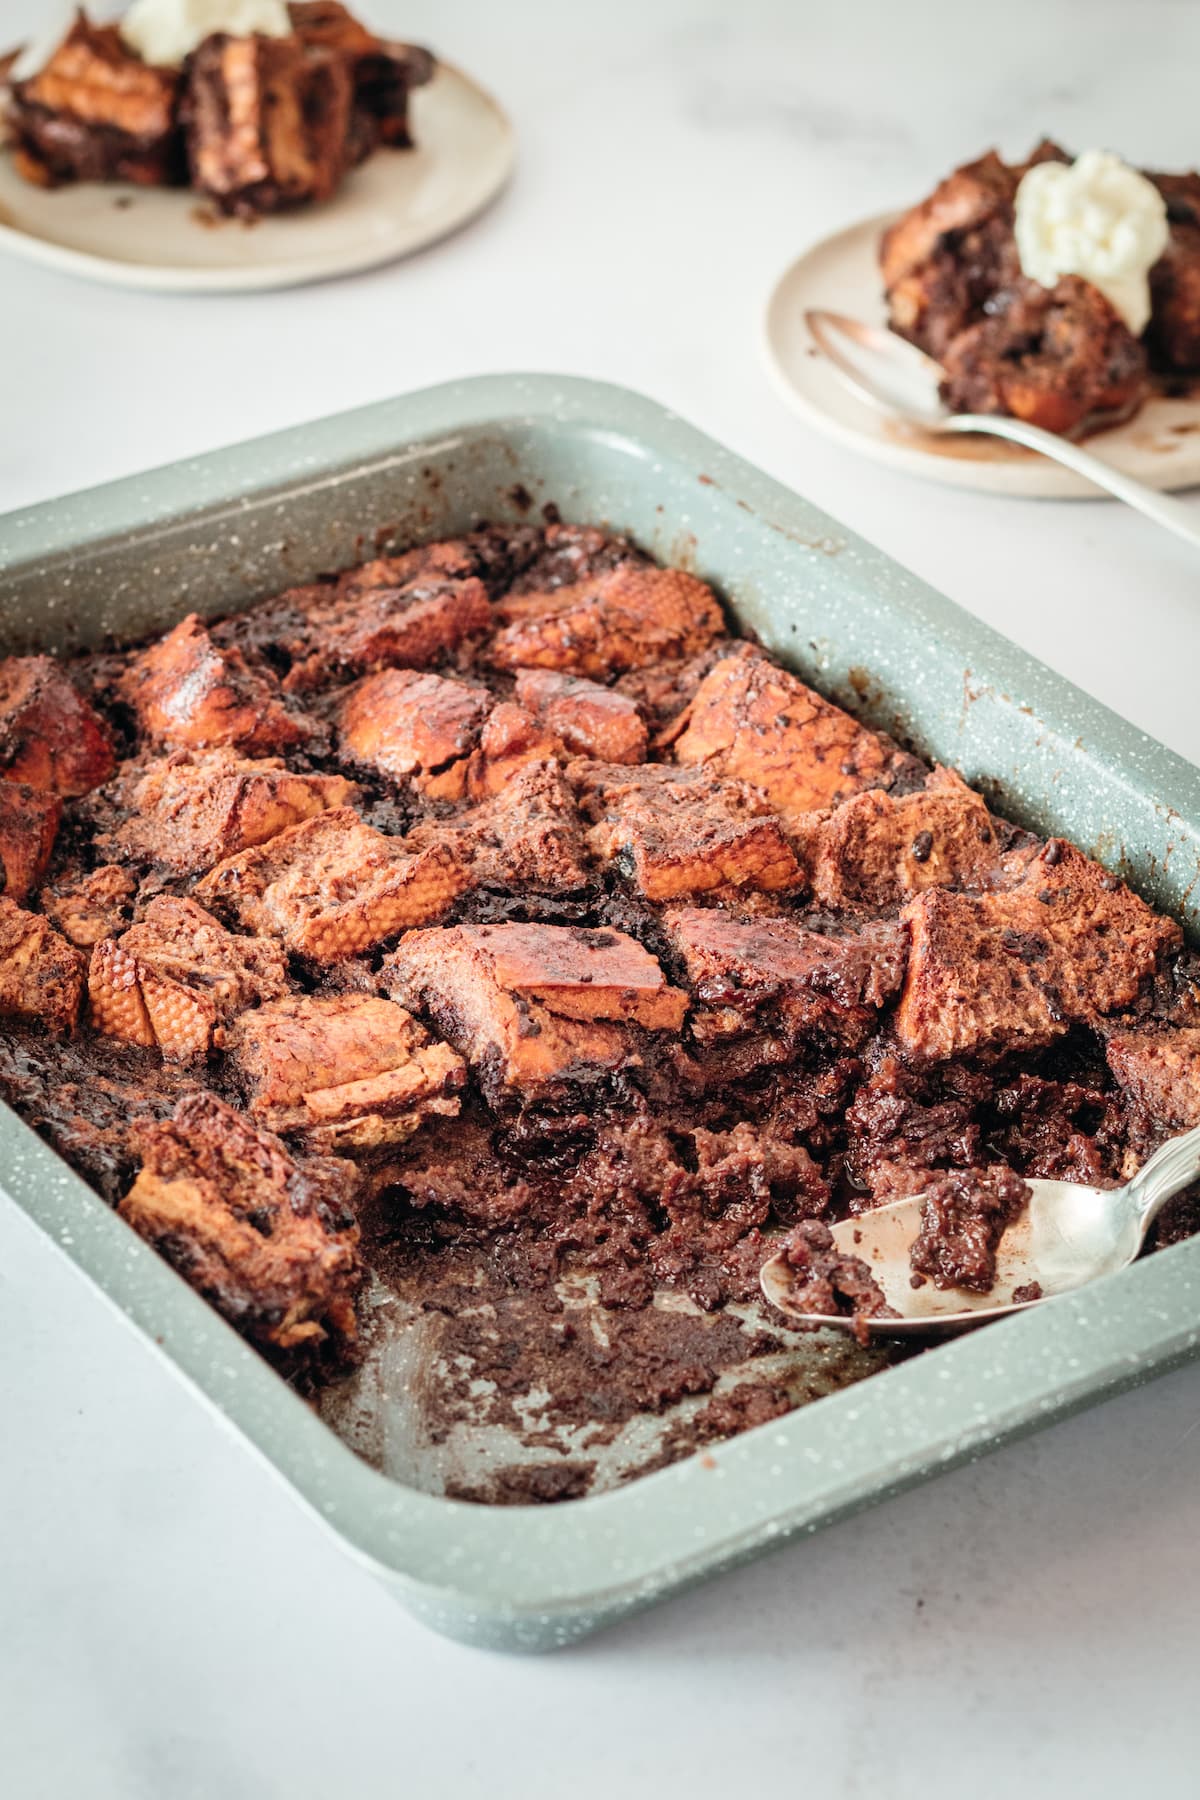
166,31
1098,218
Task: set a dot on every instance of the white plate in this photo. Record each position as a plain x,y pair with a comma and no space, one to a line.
167,238
1160,446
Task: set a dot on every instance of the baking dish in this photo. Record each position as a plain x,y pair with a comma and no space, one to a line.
130,557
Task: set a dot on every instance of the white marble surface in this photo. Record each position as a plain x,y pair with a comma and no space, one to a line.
170,1625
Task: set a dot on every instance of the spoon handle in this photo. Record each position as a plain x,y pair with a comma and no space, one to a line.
1171,1168
1179,516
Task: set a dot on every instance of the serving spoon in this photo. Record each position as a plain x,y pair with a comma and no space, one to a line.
896,378
1069,1235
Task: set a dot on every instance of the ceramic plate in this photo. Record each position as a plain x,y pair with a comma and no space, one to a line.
1160,446
167,238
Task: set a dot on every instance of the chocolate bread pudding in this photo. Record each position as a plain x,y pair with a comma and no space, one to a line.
1050,291
487,944
269,114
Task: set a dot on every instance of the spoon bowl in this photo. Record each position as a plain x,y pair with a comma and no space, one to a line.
886,371
1069,1235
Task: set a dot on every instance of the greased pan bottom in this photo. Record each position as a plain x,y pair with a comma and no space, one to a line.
131,557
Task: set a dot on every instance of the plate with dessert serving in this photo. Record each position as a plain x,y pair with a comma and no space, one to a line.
140,151
1063,293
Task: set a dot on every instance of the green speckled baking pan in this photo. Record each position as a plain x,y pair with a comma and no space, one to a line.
131,557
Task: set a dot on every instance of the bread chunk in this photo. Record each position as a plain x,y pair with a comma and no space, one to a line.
877,851
946,258
1013,969
96,112
415,611
528,835
332,887
192,808
331,26
383,74
1160,1070
971,983
1173,334
1061,358
344,1071
776,976
86,908
534,1008
50,738
563,555
662,691
943,259
41,975
621,619
414,726
268,122
29,822
511,740
1106,939
175,980
190,694
268,1238
590,719
425,565
676,831
750,721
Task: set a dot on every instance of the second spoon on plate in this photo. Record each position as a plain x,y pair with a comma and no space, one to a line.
899,380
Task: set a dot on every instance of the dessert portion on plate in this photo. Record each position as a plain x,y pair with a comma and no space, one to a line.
491,919
1050,290
256,105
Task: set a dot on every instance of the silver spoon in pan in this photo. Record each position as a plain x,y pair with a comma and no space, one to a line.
1069,1235
896,378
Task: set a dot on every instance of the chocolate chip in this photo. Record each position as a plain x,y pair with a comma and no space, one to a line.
922,846
1052,854
1023,944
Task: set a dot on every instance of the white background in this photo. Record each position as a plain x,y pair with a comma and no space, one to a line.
170,1625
